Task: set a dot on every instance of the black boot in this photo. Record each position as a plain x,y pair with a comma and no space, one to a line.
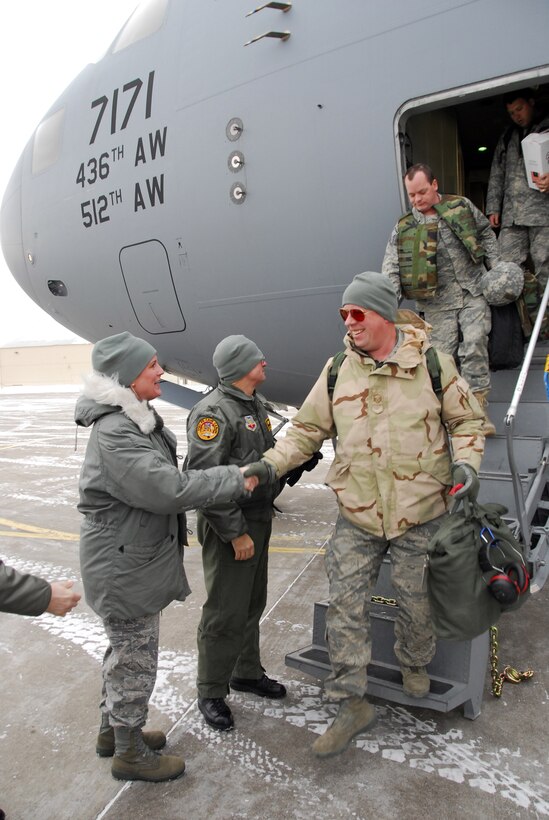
216,713
264,687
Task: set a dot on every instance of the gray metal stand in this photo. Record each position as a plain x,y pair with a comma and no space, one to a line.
457,671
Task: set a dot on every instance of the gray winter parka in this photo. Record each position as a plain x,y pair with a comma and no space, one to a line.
131,492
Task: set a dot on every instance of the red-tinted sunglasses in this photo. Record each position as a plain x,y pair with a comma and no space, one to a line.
357,315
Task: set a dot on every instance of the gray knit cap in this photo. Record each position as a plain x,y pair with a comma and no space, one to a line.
372,291
234,357
123,356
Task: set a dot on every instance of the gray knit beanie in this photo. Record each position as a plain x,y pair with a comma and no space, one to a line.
372,291
123,356
234,357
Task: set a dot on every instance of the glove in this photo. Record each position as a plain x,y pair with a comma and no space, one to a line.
293,476
466,483
264,471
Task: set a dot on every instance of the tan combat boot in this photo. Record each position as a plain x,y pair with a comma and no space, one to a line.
415,681
355,715
482,397
104,745
133,760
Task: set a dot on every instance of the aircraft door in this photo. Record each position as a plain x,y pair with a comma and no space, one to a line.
148,278
433,137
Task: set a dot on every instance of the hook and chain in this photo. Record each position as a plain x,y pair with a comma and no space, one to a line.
508,674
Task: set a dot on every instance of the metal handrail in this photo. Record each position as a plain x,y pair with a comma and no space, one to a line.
509,421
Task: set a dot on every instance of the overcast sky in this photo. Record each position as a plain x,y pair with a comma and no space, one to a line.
44,44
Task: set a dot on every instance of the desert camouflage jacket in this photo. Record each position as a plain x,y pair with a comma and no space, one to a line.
508,191
392,466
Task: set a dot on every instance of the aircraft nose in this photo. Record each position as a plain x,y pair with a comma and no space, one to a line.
11,230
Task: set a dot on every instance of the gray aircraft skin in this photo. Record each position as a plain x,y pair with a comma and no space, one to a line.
201,180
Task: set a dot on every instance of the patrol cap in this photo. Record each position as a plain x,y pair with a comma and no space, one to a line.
234,357
502,284
123,356
373,291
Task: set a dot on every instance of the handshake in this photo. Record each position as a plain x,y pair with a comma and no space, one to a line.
261,471
266,473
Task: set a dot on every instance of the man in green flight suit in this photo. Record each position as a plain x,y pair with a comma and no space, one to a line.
231,425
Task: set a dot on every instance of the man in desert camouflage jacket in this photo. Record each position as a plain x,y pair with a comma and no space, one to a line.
391,474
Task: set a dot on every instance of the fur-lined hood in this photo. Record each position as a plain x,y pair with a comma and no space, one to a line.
102,395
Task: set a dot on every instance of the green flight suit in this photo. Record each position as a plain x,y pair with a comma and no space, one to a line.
229,427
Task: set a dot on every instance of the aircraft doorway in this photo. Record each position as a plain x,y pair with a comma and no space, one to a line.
458,139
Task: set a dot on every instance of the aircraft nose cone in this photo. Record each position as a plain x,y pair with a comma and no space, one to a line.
11,230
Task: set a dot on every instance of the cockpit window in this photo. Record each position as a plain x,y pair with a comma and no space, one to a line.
146,19
47,142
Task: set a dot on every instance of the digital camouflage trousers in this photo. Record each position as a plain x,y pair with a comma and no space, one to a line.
129,669
463,333
517,241
353,560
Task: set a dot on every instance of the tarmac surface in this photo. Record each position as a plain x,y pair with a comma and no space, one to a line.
414,763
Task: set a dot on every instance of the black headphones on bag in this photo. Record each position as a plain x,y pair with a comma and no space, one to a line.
508,580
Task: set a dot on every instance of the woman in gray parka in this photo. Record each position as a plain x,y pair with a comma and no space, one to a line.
133,497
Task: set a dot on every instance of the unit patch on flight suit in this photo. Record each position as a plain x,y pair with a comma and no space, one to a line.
207,429
250,422
268,424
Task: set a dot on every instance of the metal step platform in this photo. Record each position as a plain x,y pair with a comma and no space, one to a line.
457,671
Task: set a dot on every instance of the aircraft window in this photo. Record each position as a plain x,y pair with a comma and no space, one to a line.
47,142
146,19
57,287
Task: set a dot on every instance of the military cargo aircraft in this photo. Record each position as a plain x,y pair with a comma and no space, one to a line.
228,169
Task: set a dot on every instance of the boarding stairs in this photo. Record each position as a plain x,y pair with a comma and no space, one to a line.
515,467
515,473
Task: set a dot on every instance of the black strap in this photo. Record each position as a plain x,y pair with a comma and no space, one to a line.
433,366
334,370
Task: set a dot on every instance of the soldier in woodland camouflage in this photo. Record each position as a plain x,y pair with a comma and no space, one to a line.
437,255
391,474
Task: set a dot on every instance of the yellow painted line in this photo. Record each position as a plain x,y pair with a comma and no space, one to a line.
272,548
303,550
45,536
21,530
